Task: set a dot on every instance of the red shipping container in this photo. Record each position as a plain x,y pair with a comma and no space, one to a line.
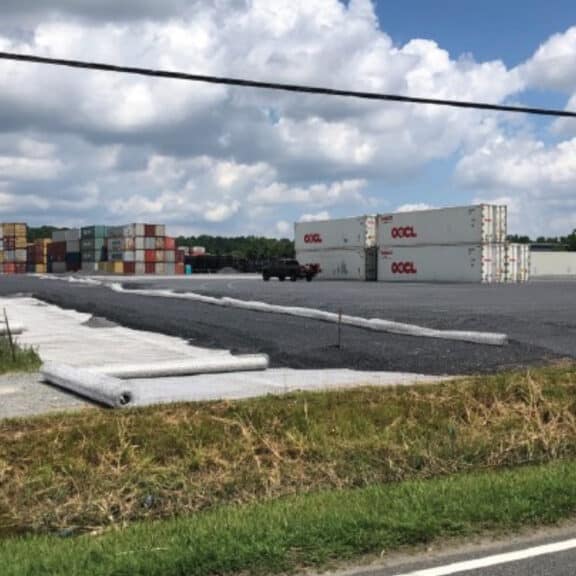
169,243
150,268
180,268
149,230
150,256
20,268
9,268
9,243
129,267
180,257
57,252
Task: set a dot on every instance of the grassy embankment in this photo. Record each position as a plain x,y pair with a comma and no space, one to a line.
19,359
275,484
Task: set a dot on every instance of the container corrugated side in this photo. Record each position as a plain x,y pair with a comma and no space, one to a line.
335,234
459,225
349,264
477,263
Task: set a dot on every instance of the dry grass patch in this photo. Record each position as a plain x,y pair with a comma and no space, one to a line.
101,469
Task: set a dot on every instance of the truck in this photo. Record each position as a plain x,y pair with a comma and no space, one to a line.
289,268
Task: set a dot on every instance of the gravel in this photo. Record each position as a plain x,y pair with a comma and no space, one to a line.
540,319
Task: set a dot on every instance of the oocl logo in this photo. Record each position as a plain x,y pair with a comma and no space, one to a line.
313,239
404,232
404,268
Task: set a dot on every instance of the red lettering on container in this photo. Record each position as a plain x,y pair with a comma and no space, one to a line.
313,239
404,232
403,268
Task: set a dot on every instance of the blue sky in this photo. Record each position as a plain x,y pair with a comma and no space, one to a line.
508,30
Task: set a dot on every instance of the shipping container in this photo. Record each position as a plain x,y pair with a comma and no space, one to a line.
140,256
58,267
482,263
160,230
169,243
159,268
93,232
347,264
129,268
160,243
550,264
139,243
462,225
170,256
170,268
150,267
140,268
159,255
345,233
150,243
90,267
73,246
72,235
149,230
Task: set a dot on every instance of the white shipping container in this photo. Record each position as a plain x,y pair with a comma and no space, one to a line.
9,256
139,243
139,229
462,225
150,243
140,268
160,230
160,268
525,262
20,256
1,231
336,264
170,255
482,263
345,233
72,246
140,256
552,264
517,263
66,235
128,256
170,269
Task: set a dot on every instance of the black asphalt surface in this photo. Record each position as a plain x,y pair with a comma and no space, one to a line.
540,319
552,564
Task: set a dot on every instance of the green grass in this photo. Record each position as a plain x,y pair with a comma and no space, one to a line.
305,531
102,469
23,360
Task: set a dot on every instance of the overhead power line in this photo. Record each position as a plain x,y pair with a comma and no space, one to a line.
298,88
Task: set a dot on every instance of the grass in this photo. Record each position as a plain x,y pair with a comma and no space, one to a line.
99,470
308,531
22,360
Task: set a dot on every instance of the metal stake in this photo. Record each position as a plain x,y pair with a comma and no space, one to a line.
11,342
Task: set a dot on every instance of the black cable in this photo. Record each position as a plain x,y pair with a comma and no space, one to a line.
283,87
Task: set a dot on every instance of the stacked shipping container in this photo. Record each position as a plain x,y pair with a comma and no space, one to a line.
462,244
344,249
38,256
142,249
13,248
64,251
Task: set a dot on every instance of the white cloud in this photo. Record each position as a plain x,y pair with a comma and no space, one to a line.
552,65
101,146
536,181
414,207
317,217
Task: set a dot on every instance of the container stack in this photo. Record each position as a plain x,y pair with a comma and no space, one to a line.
93,247
142,249
64,251
38,256
13,248
464,244
344,249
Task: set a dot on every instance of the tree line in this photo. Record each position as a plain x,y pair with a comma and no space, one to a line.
556,242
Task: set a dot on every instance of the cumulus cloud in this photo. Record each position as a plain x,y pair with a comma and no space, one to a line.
536,181
317,217
86,145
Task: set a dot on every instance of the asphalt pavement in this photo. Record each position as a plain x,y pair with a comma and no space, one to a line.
547,552
540,319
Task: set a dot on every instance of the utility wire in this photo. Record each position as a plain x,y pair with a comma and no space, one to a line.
282,87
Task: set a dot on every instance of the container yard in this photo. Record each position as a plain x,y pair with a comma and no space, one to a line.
130,249
460,244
